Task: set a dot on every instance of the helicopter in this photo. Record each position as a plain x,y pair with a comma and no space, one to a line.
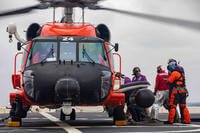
66,64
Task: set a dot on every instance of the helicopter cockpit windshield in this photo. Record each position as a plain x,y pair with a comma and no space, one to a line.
42,51
76,50
93,52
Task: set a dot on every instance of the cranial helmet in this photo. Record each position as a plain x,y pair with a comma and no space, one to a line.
172,66
172,60
135,70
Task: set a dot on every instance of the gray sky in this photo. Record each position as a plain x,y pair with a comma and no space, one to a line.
142,43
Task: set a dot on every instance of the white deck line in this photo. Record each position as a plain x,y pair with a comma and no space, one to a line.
58,122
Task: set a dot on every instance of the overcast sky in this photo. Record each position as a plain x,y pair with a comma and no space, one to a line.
142,43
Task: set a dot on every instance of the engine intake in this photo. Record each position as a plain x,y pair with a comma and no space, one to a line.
32,31
103,32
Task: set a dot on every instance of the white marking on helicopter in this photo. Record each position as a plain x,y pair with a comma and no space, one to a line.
63,125
68,39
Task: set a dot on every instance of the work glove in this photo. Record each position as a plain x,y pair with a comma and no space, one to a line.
187,94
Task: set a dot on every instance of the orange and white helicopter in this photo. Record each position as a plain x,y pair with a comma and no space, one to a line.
68,64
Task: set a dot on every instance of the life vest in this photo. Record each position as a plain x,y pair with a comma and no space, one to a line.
180,82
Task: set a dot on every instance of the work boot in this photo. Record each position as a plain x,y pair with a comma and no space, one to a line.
129,120
185,123
167,122
177,120
153,121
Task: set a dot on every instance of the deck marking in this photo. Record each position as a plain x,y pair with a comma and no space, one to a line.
176,131
172,131
63,125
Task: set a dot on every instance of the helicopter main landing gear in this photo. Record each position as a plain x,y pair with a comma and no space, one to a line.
119,118
72,115
17,112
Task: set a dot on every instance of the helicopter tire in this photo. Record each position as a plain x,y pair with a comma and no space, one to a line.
24,112
62,115
17,112
118,113
13,115
73,115
109,110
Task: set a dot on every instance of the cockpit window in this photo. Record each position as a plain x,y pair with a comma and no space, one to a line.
46,50
68,51
92,52
42,52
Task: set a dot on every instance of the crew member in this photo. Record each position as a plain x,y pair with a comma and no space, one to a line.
161,92
179,67
137,75
178,93
138,113
128,115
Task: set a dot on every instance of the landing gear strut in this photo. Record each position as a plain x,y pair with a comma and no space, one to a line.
73,115
62,115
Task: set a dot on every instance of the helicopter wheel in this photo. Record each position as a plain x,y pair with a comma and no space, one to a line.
109,110
17,112
62,115
73,115
14,117
118,114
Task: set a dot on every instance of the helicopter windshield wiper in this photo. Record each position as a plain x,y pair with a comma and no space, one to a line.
51,52
84,52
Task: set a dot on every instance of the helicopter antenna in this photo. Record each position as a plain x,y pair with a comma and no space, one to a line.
83,15
54,13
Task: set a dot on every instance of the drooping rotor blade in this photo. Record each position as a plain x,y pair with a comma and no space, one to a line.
194,25
71,3
24,10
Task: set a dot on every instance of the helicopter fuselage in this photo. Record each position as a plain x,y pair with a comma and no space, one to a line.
67,63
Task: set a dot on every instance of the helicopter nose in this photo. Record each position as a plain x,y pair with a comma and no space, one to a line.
68,90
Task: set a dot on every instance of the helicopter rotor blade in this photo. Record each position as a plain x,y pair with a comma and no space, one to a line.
25,10
194,25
